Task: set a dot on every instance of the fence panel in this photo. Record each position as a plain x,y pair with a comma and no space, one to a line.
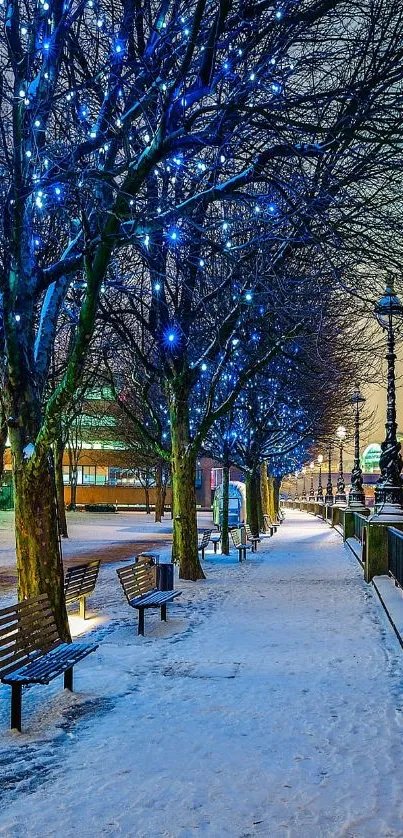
395,554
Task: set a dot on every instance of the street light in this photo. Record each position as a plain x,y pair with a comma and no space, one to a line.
341,497
389,489
329,487
311,489
303,496
356,497
319,496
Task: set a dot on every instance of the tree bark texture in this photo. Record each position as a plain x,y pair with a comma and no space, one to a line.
161,490
39,561
272,496
264,491
183,477
225,510
58,451
253,500
3,440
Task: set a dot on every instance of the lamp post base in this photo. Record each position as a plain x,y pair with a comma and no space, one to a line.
388,512
340,500
356,506
388,502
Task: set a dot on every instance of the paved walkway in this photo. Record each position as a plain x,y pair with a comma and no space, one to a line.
269,704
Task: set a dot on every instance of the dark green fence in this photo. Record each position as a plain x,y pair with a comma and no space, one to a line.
6,496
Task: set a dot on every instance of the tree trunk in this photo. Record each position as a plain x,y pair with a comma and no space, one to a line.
73,489
39,561
259,504
159,497
264,491
61,507
252,501
183,461
73,480
3,440
276,496
225,510
147,494
272,503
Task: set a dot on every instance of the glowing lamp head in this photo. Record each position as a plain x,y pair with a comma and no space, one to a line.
389,310
320,459
341,433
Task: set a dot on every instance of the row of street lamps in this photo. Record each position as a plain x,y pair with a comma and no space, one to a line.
341,498
389,488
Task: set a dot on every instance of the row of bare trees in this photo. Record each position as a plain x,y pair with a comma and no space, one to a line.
144,142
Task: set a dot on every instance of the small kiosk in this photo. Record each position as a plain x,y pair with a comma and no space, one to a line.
236,504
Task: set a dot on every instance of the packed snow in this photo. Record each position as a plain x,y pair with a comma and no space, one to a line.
269,704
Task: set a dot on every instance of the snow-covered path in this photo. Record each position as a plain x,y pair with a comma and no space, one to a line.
270,703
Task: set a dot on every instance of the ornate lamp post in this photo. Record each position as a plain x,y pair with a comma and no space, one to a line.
319,496
341,498
356,497
329,487
311,489
389,489
303,496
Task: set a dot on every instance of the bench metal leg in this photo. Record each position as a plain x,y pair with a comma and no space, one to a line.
82,607
239,554
141,621
68,679
164,612
16,706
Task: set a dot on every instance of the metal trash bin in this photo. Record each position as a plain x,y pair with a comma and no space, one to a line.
165,577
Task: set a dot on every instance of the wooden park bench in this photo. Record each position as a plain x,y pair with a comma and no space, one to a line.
215,540
236,536
206,535
269,525
137,581
79,582
254,539
31,651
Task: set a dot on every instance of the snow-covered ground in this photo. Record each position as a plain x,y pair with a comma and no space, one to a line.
270,703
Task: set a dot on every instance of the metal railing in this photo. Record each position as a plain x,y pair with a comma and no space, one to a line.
395,554
359,524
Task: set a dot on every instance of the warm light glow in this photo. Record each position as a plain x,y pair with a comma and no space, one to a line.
320,459
341,432
312,464
78,626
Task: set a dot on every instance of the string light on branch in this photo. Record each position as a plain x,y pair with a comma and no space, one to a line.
171,337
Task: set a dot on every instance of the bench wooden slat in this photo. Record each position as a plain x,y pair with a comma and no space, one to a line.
206,535
43,670
31,650
25,612
137,581
80,580
154,598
